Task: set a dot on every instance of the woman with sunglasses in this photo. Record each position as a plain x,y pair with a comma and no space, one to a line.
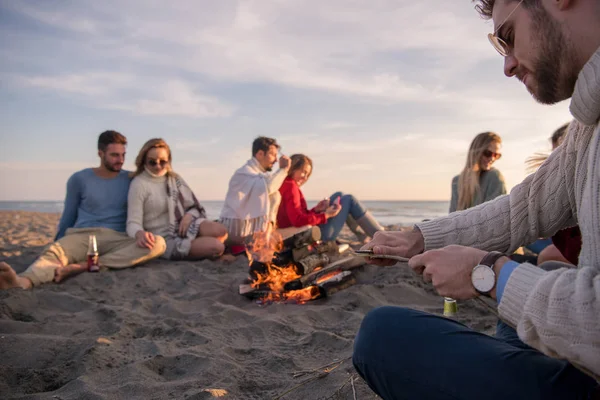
329,214
160,203
479,182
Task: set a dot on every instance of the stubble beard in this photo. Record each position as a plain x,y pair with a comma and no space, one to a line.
554,70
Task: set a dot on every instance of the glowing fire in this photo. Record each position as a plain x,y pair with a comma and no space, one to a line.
264,246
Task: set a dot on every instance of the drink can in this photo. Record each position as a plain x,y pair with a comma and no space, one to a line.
450,307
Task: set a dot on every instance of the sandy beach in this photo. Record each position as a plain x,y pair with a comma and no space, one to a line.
180,330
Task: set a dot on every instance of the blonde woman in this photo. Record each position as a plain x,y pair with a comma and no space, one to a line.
479,181
160,203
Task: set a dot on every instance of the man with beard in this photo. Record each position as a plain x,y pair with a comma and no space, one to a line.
253,198
95,204
553,47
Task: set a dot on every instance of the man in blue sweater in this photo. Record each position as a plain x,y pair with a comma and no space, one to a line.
95,204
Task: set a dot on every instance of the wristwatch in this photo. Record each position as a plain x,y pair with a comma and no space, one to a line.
483,276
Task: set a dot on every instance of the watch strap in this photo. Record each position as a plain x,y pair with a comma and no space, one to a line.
490,258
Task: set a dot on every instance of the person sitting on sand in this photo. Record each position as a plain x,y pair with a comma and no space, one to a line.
565,244
95,204
329,215
479,181
160,203
546,344
253,195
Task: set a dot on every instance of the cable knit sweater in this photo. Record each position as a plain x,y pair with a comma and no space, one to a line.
147,205
557,312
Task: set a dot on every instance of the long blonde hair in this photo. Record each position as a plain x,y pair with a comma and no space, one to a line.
468,180
155,143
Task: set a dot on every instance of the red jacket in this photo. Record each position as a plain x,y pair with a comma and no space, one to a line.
293,210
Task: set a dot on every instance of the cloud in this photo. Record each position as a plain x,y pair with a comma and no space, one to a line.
106,90
355,49
87,84
177,99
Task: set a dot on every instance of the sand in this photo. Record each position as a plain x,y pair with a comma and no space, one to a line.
180,330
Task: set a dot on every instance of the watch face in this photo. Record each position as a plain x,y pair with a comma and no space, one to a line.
483,278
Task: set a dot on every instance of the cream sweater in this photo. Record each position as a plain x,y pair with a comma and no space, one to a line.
557,312
147,205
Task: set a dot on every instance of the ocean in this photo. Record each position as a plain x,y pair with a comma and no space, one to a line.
386,212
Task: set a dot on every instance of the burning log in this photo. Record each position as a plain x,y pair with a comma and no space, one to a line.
311,278
301,239
297,269
332,284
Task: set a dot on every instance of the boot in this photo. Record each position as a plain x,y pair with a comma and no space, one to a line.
369,224
353,225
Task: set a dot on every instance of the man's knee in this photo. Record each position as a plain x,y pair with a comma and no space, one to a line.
160,246
221,233
379,324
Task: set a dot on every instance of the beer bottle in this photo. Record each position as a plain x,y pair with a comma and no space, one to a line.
92,255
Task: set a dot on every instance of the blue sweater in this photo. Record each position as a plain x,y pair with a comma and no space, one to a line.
95,202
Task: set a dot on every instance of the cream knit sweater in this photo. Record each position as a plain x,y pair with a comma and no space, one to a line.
557,312
147,205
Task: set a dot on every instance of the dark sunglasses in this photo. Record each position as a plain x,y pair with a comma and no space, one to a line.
490,154
154,163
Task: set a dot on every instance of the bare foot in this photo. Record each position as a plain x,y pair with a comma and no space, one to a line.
9,278
62,273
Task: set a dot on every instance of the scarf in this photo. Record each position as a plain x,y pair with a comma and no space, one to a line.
181,201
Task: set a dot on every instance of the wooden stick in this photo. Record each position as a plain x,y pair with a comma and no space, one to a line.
353,389
304,382
347,381
298,374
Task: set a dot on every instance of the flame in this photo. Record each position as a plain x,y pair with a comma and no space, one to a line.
263,247
265,244
300,296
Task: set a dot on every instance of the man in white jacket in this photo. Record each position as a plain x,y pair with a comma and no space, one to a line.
253,197
553,47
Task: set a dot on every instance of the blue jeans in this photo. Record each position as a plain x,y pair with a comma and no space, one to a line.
408,354
331,229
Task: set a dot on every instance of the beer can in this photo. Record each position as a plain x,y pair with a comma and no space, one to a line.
450,307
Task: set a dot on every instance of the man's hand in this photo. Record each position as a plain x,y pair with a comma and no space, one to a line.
145,239
449,269
184,224
284,162
322,206
397,243
332,211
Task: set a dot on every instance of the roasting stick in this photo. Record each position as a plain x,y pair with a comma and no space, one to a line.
369,253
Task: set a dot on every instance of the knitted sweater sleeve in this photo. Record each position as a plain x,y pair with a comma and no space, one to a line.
538,207
556,311
135,207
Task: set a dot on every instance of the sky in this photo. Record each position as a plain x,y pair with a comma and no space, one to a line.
385,96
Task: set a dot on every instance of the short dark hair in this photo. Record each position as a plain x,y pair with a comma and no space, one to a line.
110,137
485,7
263,143
558,134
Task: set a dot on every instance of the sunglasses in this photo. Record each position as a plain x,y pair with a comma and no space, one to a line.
499,44
154,163
490,154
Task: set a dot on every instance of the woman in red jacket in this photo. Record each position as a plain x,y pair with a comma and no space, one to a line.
329,215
